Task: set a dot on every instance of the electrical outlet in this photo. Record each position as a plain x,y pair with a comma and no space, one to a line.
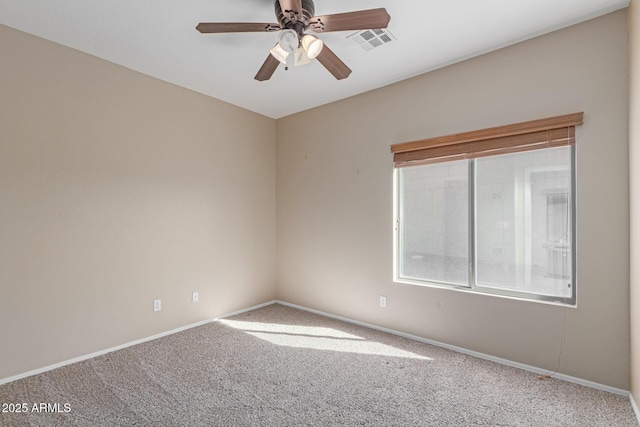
194,297
383,301
157,305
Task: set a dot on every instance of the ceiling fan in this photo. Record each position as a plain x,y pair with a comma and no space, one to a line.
295,46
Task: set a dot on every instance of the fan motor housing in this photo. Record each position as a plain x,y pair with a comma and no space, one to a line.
289,19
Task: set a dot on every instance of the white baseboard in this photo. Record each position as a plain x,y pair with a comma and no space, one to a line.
506,362
244,310
634,406
129,344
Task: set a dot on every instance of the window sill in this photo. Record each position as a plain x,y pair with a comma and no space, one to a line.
468,290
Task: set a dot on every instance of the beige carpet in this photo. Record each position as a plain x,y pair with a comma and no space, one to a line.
279,366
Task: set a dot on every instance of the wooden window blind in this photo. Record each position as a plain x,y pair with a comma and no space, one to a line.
536,134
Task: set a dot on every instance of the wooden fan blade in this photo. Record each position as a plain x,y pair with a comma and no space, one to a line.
350,21
333,64
268,68
236,27
293,5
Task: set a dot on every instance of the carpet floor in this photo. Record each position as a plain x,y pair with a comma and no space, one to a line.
278,366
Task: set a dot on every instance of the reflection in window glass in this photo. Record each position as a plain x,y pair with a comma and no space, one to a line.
434,235
523,222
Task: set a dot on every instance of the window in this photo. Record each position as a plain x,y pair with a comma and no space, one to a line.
491,211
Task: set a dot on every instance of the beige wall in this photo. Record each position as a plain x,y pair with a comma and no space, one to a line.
334,193
118,189
634,165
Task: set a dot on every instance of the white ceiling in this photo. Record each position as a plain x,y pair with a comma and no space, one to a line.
158,38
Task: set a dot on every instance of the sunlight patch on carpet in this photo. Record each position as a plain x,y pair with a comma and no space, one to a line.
318,338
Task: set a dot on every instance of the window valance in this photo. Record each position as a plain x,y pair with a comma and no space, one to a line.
525,136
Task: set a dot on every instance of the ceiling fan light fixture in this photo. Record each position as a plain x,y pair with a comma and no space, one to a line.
301,57
288,40
280,54
312,45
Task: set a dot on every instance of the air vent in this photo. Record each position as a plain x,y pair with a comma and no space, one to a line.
369,39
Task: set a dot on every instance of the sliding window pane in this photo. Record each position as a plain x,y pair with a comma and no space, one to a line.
524,222
434,231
